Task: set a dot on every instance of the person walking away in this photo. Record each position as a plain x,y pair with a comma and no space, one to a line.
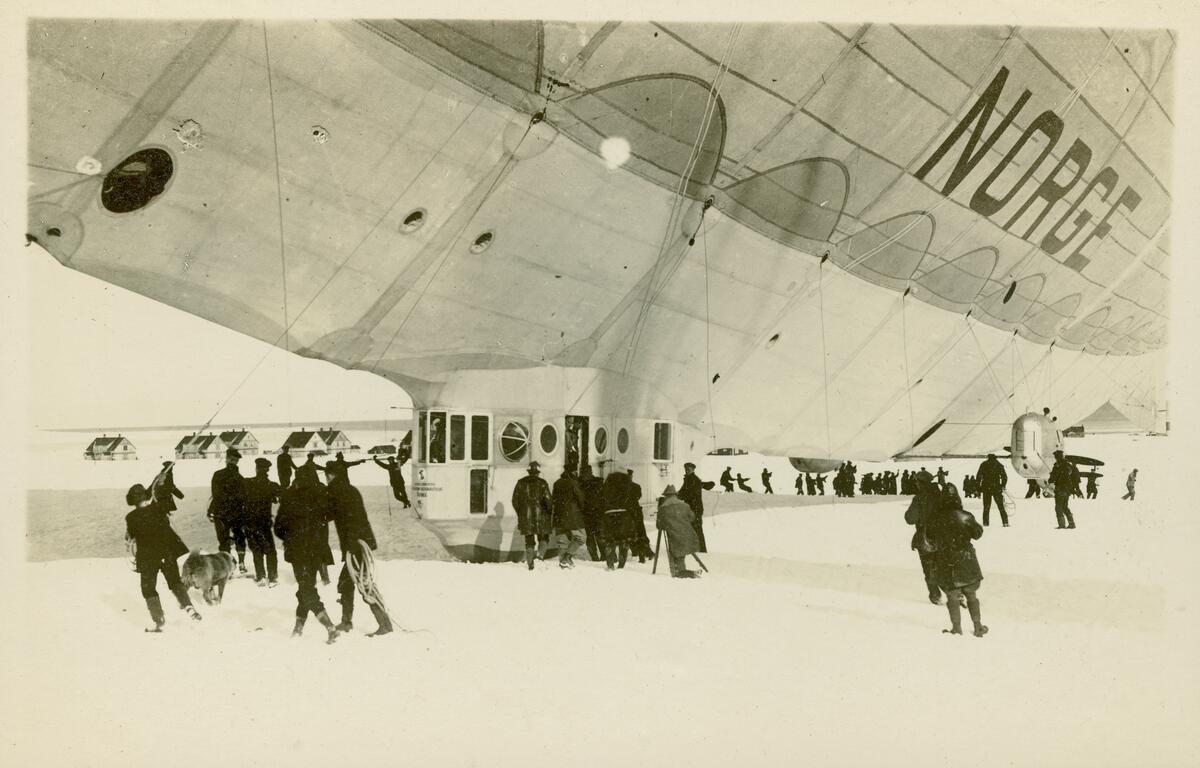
569,503
302,523
766,481
354,533
616,527
395,472
743,483
951,529
1060,478
225,509
590,485
285,467
692,494
799,483
727,480
918,514
157,548
261,492
992,479
163,488
531,500
1130,482
641,540
675,518
1034,490
1091,484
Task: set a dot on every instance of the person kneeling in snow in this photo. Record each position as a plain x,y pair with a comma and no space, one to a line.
950,529
675,518
157,547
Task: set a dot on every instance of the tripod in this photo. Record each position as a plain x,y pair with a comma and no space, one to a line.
658,544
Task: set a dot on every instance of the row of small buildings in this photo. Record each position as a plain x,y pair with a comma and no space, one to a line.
214,446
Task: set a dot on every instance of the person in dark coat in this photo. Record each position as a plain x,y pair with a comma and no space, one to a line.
992,479
532,503
1061,478
157,548
692,494
353,532
920,510
1092,490
950,529
340,467
303,525
799,483
743,483
820,485
226,509
941,477
640,545
285,467
676,519
617,523
727,480
591,485
1130,485
569,503
163,488
261,492
395,470
1034,490
811,484
311,466
766,481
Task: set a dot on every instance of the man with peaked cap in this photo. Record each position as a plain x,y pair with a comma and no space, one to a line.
692,494
532,503
226,507
260,492
1061,476
676,519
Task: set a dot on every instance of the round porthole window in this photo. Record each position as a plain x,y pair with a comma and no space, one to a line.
514,441
413,221
601,440
549,438
483,242
137,180
622,440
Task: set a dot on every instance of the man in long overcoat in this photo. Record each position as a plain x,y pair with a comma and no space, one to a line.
675,518
1062,477
924,503
353,532
226,509
260,493
692,493
531,501
991,479
303,524
590,484
569,505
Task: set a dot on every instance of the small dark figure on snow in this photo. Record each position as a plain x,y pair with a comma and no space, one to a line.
354,534
820,485
744,483
799,483
1034,490
1092,490
1062,477
950,530
675,519
395,470
163,488
766,481
156,548
992,479
692,494
920,510
1130,482
339,467
285,467
226,509
261,492
303,525
727,480
532,503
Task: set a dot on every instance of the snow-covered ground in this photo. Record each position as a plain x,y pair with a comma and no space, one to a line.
809,642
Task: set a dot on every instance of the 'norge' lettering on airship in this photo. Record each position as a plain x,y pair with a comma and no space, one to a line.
988,202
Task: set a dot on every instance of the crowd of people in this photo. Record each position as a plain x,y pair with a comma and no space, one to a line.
240,509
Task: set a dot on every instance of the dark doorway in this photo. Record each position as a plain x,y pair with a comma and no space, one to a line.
479,483
577,442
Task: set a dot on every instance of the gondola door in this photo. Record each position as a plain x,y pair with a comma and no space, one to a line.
577,442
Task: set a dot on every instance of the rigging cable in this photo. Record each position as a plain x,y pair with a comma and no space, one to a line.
279,202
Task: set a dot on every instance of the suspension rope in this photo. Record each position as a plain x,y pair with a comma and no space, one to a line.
279,203
912,426
712,423
396,201
824,358
988,363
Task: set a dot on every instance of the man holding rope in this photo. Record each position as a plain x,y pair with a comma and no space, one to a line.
356,540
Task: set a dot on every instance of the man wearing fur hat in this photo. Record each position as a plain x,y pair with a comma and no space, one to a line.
675,518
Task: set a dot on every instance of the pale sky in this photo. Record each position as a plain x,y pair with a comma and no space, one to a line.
107,357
